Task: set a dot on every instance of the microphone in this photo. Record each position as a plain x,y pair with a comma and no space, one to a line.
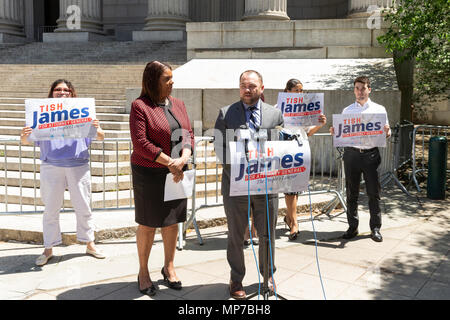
261,137
288,135
243,133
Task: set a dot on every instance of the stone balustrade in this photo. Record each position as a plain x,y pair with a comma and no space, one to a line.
361,6
265,10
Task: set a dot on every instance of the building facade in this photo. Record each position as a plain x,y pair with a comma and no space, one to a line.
117,20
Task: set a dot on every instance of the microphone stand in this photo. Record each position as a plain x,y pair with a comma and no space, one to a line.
266,292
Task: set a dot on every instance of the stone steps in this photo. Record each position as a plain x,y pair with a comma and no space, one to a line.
113,52
100,199
15,131
96,155
37,89
43,95
108,145
30,196
99,109
105,125
109,159
97,169
27,180
17,114
18,103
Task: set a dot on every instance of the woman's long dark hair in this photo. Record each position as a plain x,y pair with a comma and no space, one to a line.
291,84
150,80
68,84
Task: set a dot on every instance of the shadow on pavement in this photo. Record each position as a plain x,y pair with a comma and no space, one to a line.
26,263
129,291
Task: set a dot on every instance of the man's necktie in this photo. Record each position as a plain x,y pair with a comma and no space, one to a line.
254,120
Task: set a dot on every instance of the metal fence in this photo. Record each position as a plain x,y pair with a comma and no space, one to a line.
110,173
44,29
112,183
399,150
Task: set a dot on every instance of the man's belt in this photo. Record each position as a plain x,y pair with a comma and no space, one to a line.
360,150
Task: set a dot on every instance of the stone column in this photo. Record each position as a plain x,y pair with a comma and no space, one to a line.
167,15
12,21
90,16
363,8
166,20
265,10
79,20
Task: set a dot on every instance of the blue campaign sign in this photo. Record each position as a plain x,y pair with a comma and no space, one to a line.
300,109
360,130
60,118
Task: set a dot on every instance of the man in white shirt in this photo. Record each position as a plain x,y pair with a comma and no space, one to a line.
363,160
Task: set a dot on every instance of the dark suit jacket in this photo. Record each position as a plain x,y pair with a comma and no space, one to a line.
233,117
150,131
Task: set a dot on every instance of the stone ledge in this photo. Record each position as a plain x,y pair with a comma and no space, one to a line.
162,35
73,37
10,38
329,52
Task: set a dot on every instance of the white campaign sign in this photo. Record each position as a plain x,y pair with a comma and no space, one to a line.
286,164
361,130
300,109
60,118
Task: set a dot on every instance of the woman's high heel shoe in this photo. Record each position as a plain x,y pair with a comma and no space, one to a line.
286,223
172,284
293,236
150,291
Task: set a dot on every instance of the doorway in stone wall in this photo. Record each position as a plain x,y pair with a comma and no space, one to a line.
51,14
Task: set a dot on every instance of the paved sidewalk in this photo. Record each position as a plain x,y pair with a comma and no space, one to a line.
411,263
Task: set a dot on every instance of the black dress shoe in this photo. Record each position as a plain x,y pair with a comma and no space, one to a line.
376,235
171,284
350,233
150,291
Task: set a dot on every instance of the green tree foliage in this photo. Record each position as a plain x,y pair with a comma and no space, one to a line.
419,30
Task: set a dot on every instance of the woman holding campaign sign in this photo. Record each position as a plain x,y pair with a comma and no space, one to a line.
299,109
162,143
65,163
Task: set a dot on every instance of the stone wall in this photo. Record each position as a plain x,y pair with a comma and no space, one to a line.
437,113
203,104
317,9
121,18
318,39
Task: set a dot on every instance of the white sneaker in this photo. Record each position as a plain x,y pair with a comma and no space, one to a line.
43,259
96,254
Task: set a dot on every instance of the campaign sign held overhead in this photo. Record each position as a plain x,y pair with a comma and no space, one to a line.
286,165
300,109
60,118
359,130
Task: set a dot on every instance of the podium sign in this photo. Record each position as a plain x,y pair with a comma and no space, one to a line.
285,164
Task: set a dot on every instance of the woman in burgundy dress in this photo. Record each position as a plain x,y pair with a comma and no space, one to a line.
162,143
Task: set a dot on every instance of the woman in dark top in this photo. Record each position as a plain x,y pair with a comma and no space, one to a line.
155,118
